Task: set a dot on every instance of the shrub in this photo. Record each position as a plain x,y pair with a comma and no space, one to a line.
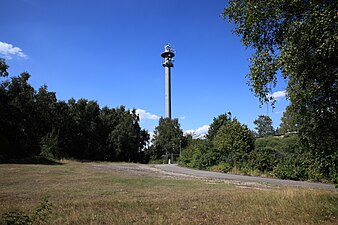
39,216
50,146
264,158
222,167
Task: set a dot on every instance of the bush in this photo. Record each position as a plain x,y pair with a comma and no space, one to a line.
222,167
50,146
39,216
264,159
198,154
288,171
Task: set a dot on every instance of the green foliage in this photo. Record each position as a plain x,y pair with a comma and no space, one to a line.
285,158
229,148
39,216
217,123
3,68
288,123
167,138
17,121
297,39
264,158
50,146
264,126
84,128
279,155
34,123
42,211
268,153
127,139
222,167
199,154
232,150
234,141
289,171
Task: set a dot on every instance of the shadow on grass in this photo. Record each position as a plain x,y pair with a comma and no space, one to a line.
30,160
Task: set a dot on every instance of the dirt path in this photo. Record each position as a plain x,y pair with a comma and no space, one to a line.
176,171
262,180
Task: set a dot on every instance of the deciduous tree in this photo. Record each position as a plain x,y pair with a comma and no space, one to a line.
167,136
299,40
264,126
217,123
288,123
234,141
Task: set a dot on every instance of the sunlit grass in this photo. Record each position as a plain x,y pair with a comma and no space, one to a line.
83,194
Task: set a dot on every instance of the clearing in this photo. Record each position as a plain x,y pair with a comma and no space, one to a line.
110,193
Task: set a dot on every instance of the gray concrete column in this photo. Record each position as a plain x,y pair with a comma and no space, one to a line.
168,92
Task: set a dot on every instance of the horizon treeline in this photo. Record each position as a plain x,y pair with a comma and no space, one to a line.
231,147
35,123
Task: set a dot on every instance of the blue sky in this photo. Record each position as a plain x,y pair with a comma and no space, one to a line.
109,51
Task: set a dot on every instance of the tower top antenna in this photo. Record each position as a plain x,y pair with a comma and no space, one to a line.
168,53
168,48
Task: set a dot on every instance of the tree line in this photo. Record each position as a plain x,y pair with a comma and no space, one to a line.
34,123
230,146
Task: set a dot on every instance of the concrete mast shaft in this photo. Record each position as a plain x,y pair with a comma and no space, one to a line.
167,55
168,92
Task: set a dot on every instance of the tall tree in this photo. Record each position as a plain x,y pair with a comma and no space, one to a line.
65,128
217,123
234,141
45,102
167,136
19,114
288,123
299,40
264,126
127,138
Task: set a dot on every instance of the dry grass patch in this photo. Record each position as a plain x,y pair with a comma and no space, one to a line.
81,193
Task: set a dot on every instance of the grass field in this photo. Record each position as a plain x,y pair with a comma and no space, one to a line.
80,193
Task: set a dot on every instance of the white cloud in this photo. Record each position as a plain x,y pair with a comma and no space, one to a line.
182,117
189,132
8,51
199,132
144,115
278,94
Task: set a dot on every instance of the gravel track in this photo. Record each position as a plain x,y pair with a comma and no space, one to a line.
175,171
